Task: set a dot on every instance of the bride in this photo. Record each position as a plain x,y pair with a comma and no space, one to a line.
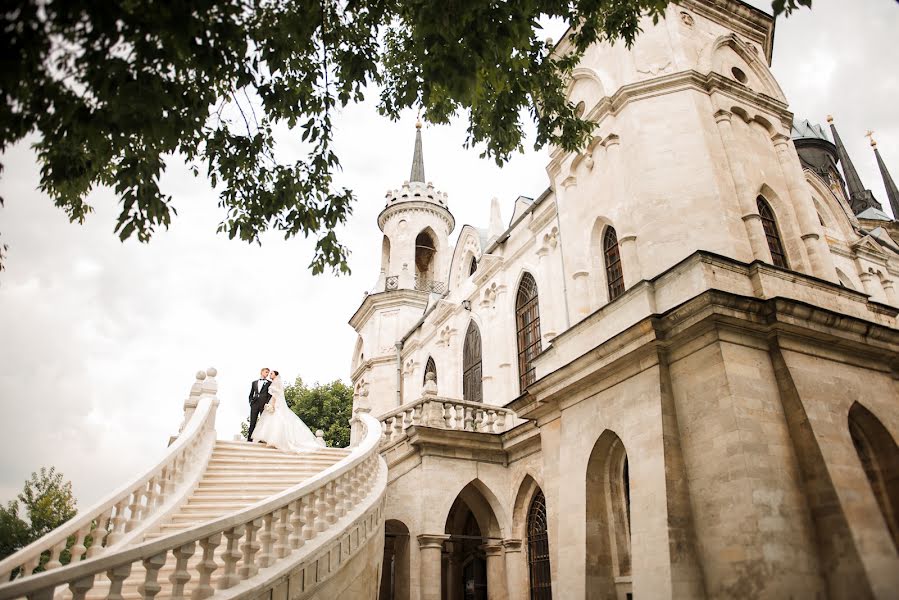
279,427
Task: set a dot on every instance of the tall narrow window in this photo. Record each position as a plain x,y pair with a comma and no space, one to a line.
527,317
879,456
614,274
430,367
778,257
538,549
472,266
472,383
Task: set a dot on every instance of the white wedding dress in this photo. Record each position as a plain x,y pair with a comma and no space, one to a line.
280,428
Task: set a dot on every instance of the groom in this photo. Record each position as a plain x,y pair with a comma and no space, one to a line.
259,397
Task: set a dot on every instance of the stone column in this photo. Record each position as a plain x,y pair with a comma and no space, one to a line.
809,226
430,551
868,281
890,290
745,195
496,571
581,295
516,570
544,286
627,238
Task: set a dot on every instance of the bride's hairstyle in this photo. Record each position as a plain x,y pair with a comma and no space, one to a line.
275,372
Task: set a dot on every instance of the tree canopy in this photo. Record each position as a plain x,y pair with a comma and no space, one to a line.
47,501
113,89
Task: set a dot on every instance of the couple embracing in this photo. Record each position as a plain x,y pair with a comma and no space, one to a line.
271,420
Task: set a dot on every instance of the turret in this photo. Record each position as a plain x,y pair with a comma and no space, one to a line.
416,224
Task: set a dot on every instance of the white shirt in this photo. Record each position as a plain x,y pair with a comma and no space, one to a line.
259,384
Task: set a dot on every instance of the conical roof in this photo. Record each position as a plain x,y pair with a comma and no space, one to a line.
888,183
418,160
859,197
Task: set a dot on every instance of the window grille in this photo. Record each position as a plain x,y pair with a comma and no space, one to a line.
527,317
778,257
614,273
472,382
538,550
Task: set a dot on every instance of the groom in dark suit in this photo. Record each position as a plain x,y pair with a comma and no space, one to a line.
259,397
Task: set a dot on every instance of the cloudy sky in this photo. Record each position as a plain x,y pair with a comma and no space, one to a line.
99,340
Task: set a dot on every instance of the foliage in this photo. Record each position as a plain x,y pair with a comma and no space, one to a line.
47,501
115,88
326,406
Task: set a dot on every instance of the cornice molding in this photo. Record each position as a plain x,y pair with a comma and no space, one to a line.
382,300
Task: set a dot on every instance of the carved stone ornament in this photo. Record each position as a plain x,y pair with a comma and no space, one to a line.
686,18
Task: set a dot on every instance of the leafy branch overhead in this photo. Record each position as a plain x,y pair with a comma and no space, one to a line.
115,88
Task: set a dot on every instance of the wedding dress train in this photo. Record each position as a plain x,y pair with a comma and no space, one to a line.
280,428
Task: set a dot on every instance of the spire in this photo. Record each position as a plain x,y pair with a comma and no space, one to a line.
888,183
859,197
418,161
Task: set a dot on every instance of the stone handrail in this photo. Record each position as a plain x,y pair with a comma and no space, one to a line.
267,536
445,413
118,517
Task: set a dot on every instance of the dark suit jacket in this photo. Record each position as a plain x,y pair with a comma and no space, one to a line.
261,397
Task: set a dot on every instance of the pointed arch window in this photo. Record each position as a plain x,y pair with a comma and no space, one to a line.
472,382
778,256
614,273
473,265
879,456
538,549
527,318
430,367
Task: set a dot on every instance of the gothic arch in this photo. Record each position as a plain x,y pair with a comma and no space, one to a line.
879,456
608,537
728,49
358,356
836,209
787,227
527,328
483,503
430,367
385,256
395,570
427,252
600,284
472,364
469,245
527,487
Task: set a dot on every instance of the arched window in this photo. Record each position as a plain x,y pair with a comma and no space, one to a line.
614,274
472,384
473,266
778,257
538,549
425,250
879,456
527,317
430,367
608,522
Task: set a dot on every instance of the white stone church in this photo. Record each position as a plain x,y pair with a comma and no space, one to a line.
672,374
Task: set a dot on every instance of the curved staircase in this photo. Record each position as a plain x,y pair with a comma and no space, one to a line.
221,518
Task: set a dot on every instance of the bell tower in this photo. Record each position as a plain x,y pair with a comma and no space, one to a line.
415,256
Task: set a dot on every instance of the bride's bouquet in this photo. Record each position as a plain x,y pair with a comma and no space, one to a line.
270,407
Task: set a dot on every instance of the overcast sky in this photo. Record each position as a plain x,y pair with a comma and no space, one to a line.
99,340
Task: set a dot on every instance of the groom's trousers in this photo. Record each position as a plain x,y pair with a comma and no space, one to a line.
255,409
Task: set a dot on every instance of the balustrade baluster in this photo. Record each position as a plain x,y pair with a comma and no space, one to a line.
310,508
460,416
78,548
348,490
117,577
118,523
467,426
99,533
159,500
151,497
321,510
41,594
282,544
134,509
230,557
266,539
500,421
55,552
340,497
448,416
181,575
386,432
416,414
398,427
150,587
408,415
168,485
355,484
80,587
29,567
331,502
206,567
296,522
250,547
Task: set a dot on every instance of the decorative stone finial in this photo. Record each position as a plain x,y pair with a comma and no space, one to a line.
418,123
830,118
320,436
212,371
870,135
201,375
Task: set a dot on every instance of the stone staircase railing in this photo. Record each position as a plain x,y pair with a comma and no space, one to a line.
300,535
124,514
445,413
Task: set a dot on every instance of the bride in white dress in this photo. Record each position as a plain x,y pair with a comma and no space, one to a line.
279,427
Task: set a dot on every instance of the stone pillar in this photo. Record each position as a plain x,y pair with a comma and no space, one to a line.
430,551
581,295
496,571
516,570
552,307
868,281
809,226
890,290
745,195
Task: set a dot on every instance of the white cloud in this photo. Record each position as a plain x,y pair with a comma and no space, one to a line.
99,340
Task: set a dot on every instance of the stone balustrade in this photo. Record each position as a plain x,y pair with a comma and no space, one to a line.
300,535
445,413
123,515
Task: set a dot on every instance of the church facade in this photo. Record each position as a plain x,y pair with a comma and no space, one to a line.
672,374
